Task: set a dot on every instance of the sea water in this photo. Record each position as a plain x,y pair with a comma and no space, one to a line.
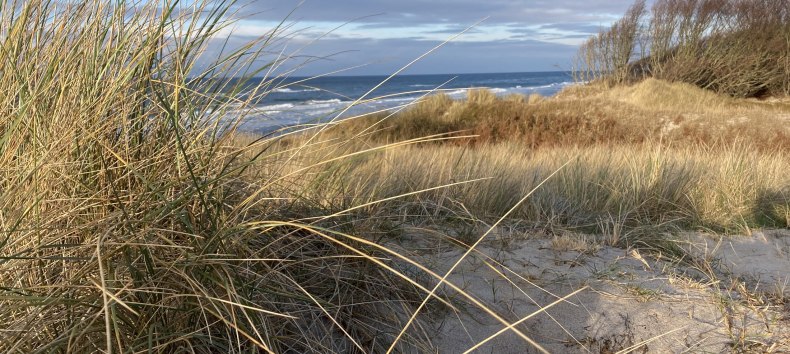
298,100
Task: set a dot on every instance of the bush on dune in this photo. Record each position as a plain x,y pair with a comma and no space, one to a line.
736,47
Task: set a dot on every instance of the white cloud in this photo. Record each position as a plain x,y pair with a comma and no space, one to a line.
518,35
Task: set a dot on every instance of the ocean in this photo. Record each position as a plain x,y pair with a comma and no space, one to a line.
299,100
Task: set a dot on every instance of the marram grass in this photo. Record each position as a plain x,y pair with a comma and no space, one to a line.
125,223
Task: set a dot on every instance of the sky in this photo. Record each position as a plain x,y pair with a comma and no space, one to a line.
378,37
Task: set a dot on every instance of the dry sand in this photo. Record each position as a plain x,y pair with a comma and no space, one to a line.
730,294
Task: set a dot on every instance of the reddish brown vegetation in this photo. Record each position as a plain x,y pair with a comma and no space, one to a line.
585,116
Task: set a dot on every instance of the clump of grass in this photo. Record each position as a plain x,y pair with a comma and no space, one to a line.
127,223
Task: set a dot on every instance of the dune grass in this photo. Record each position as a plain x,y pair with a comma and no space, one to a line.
646,189
127,224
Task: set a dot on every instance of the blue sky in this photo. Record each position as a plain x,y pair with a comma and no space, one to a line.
518,35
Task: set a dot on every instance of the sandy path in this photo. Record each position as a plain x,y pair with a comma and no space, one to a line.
728,297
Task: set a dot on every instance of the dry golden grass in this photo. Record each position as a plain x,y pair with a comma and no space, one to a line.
602,187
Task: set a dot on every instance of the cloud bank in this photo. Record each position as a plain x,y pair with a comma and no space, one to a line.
383,35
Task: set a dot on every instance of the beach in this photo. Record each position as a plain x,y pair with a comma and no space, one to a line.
177,177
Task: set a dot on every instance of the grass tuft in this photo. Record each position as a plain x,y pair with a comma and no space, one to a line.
127,222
